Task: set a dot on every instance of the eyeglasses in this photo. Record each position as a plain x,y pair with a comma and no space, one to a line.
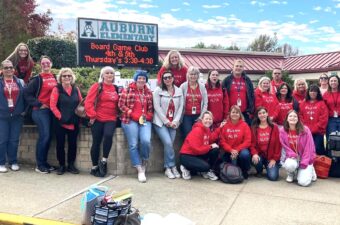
64,76
45,63
167,77
8,68
323,78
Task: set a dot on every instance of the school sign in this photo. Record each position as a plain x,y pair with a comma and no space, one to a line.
117,43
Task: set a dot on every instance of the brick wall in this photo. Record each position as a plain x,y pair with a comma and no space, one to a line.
119,159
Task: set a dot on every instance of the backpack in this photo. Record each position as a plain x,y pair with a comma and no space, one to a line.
230,173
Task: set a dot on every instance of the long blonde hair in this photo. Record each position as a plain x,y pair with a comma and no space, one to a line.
167,63
15,58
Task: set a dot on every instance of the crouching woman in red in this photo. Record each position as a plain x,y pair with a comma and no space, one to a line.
200,151
265,144
235,139
297,141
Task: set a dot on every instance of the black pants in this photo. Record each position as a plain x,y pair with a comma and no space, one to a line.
199,163
99,131
72,136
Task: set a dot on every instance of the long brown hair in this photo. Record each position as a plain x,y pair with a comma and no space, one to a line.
15,58
256,121
299,125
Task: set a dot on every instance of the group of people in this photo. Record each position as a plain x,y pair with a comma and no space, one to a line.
219,121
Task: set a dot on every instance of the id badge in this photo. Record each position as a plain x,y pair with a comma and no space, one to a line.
142,120
10,103
239,102
171,114
193,110
335,114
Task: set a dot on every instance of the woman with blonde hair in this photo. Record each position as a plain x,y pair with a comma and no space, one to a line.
175,63
65,97
323,81
22,62
300,89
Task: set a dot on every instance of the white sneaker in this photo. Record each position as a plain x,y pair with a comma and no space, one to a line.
314,176
209,175
3,169
15,167
290,177
185,173
141,174
175,172
169,173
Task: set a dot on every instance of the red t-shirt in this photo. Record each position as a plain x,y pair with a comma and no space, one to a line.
140,104
238,90
284,108
332,100
215,103
11,91
263,136
193,99
180,75
267,100
171,110
293,140
48,83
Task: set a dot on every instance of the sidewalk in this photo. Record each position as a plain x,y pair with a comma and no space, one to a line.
256,201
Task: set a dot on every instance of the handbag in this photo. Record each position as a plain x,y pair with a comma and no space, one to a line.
322,165
80,110
230,173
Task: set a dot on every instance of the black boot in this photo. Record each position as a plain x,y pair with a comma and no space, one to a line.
61,170
72,169
102,168
95,172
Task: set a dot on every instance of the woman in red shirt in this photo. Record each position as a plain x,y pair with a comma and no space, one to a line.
175,63
136,105
314,114
37,95
286,102
332,100
218,100
265,144
65,98
22,62
101,106
300,89
264,97
200,149
235,140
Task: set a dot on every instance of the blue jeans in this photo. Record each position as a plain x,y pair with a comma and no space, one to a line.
167,136
272,173
243,159
43,119
319,144
134,132
333,125
187,123
9,139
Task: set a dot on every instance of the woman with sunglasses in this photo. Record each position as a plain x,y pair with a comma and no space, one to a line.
37,95
65,98
22,62
168,106
11,107
323,81
218,100
314,114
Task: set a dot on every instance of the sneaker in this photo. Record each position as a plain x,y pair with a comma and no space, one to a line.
209,175
3,169
290,177
185,173
141,174
102,168
14,167
50,168
61,170
314,176
42,169
72,169
169,173
175,172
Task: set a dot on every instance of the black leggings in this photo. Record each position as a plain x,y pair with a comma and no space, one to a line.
199,163
100,130
72,135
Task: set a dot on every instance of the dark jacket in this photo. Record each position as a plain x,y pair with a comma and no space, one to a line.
32,91
67,104
19,103
226,84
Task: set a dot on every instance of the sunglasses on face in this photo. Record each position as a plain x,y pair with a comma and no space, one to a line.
323,78
8,68
167,77
45,63
64,76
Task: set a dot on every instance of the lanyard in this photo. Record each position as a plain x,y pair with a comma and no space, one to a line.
141,98
335,103
238,86
193,96
9,88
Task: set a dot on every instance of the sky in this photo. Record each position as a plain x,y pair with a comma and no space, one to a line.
312,26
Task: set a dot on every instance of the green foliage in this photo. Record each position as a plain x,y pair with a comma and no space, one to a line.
264,43
62,52
285,77
216,46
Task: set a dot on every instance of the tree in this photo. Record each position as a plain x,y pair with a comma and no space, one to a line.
200,45
216,46
19,22
264,43
288,50
233,47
